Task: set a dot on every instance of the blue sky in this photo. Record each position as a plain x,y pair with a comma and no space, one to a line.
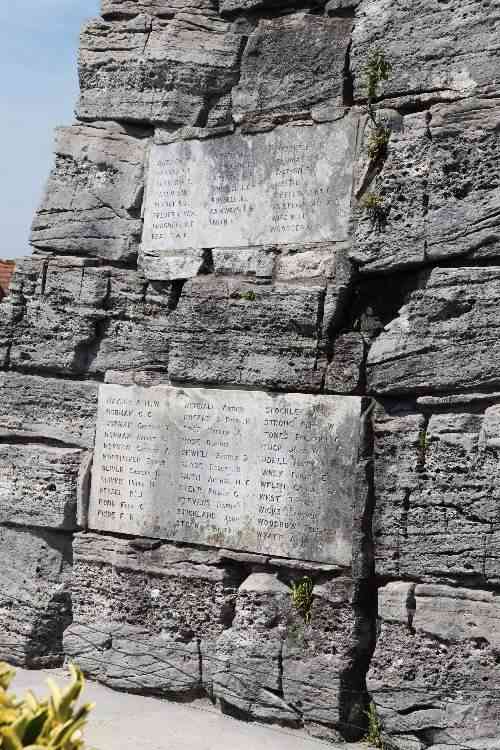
38,90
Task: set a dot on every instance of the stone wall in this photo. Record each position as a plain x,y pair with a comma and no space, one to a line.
402,313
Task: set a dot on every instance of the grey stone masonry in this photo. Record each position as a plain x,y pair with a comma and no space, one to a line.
231,227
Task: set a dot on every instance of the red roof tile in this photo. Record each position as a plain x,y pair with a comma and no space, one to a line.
6,270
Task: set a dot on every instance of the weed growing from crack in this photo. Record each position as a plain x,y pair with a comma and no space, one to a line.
374,205
302,597
374,734
376,70
249,296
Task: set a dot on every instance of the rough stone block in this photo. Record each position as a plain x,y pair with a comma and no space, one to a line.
339,7
436,497
48,408
435,671
318,655
127,344
258,262
439,50
53,339
445,338
245,675
318,264
344,371
83,318
28,278
402,184
163,8
38,485
227,332
9,314
242,668
439,189
159,71
464,201
130,658
92,201
291,64
35,604
139,607
56,315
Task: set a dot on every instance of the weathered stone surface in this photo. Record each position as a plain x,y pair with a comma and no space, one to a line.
339,7
92,201
38,485
247,470
152,70
445,50
9,314
439,188
242,668
137,333
138,610
57,322
344,371
242,191
52,340
240,307
446,336
317,656
464,199
244,673
437,675
291,64
402,185
48,408
35,604
76,318
436,496
131,658
228,332
258,262
319,263
162,8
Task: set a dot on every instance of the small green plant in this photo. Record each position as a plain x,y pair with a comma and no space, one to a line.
377,70
375,207
52,724
374,735
250,296
378,140
302,597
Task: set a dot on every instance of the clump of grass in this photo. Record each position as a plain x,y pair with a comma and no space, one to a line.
302,597
377,70
249,296
376,208
374,735
378,140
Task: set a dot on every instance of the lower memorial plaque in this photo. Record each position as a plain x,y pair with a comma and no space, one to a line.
246,470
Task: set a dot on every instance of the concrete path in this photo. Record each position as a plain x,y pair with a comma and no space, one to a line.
121,721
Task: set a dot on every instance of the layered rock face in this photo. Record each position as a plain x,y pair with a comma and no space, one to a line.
400,312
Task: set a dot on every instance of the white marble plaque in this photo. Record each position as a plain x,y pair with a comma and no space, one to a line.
239,469
291,185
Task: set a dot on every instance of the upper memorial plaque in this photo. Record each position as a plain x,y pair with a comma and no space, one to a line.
291,185
245,470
